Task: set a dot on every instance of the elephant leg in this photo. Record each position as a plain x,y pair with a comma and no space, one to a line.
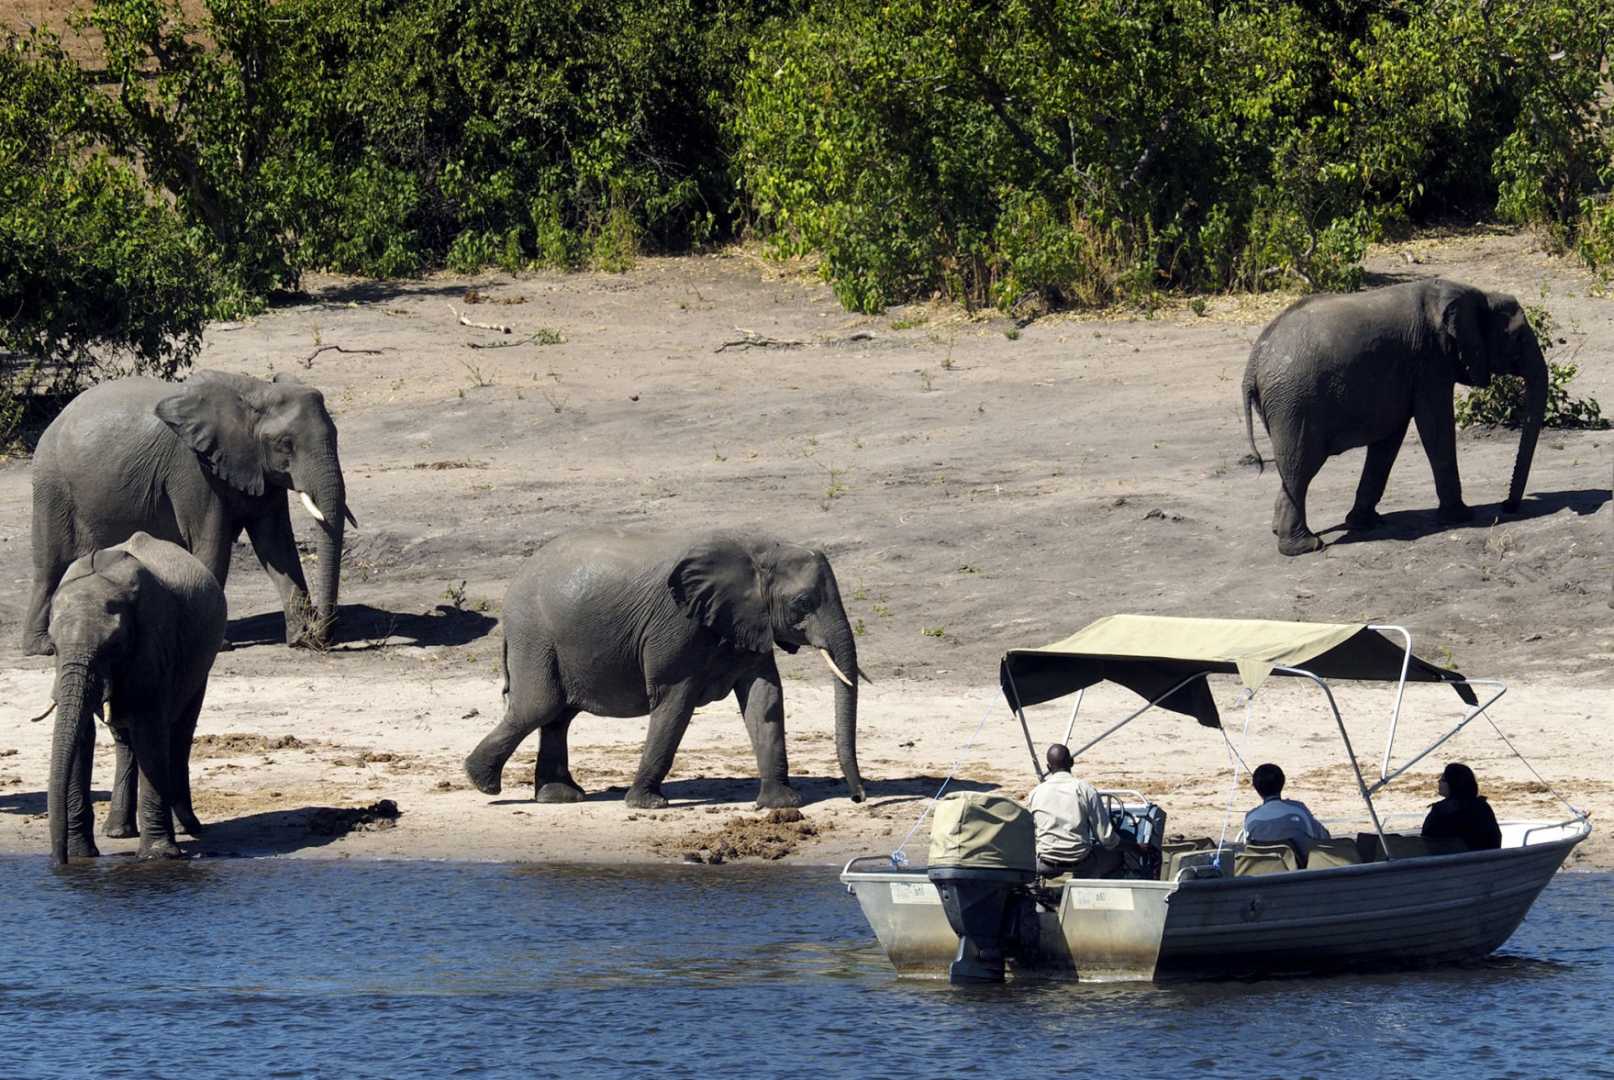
179,753
1375,475
276,547
762,703
51,559
532,704
150,738
1289,513
552,778
120,818
80,811
668,722
1437,430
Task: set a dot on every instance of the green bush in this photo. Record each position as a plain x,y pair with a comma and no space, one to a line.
96,277
1502,403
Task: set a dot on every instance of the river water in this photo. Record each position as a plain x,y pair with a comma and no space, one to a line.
280,968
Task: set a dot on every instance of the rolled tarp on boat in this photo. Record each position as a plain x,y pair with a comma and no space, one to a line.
1150,654
982,831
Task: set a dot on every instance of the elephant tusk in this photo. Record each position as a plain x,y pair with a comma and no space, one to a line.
308,504
839,674
41,716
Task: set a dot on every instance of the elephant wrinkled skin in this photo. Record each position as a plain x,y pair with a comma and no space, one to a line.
619,623
135,629
1334,372
194,463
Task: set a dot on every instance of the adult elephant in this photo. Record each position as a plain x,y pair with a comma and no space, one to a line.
620,623
136,628
1332,373
193,463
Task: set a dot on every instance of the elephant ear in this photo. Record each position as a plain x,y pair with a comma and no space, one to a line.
1462,317
212,418
719,584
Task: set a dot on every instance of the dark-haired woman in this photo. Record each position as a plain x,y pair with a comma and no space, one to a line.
1462,813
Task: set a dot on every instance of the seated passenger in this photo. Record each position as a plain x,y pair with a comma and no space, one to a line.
1462,812
1278,820
1074,834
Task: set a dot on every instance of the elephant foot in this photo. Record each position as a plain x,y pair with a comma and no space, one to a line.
188,823
38,645
644,799
163,848
1300,545
777,795
1456,514
1364,520
82,847
115,829
488,781
559,791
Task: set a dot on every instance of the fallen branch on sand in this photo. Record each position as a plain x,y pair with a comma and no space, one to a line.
754,340
496,327
308,361
544,336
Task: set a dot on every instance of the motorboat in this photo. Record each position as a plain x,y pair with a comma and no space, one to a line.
979,912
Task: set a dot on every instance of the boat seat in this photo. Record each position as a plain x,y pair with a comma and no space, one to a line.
1175,855
1257,859
1405,846
1326,853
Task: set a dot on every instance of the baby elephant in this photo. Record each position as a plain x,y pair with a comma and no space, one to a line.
620,623
135,629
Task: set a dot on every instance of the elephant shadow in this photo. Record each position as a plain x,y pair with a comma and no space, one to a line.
362,628
1403,525
271,832
723,790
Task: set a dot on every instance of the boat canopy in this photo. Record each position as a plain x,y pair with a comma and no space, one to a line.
1151,654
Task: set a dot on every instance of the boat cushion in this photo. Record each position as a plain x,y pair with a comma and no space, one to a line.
1340,852
982,830
1264,859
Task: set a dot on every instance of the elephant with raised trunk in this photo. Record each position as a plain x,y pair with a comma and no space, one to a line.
1332,373
194,463
620,623
135,628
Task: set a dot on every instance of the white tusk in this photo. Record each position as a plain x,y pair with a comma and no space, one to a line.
313,511
839,674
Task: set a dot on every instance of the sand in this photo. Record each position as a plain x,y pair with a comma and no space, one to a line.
978,485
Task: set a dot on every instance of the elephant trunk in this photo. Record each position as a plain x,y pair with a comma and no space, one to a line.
843,655
1534,370
328,495
77,695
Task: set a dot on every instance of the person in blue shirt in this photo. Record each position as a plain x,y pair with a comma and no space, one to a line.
1278,820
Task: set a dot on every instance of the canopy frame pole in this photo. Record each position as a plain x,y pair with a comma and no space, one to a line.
1350,752
1123,723
1074,709
1472,714
1400,691
1020,711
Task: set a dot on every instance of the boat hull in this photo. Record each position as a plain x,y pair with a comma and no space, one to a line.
1401,913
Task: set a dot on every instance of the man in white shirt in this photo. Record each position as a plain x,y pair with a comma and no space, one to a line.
1074,834
1279,820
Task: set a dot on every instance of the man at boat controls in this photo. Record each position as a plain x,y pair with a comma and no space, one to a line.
1278,820
1074,833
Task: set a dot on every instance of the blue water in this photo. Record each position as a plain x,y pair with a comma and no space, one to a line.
340,969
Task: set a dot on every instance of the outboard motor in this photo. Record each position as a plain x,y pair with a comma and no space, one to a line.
983,854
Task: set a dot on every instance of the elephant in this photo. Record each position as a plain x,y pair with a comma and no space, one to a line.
1334,372
194,463
136,628
622,623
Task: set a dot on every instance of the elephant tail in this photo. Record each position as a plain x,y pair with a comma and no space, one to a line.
1252,397
504,671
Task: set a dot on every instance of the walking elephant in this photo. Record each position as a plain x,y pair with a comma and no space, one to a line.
136,628
1334,372
194,463
619,623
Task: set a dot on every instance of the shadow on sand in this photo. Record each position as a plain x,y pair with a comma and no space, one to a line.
717,790
273,832
362,628
1415,524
